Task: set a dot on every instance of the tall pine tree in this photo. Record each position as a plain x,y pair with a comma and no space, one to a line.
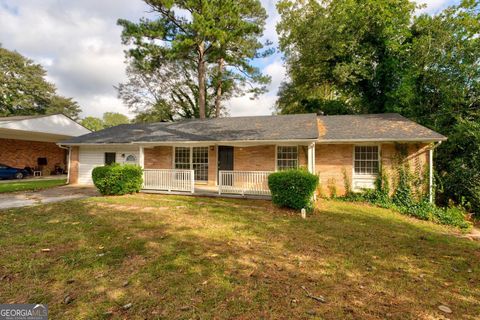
223,32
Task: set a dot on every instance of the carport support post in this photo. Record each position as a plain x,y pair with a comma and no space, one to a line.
141,161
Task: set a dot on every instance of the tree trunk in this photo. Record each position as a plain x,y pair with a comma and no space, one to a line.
218,97
201,79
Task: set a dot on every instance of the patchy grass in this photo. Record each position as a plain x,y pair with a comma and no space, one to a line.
187,257
31,185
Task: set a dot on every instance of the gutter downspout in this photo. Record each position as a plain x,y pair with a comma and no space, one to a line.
430,169
68,160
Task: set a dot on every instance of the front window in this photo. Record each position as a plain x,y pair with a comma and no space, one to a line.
110,158
200,163
182,158
287,157
366,160
193,158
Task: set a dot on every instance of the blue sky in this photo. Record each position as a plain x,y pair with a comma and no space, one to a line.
78,43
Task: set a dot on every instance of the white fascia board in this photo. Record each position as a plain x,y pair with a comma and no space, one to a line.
198,143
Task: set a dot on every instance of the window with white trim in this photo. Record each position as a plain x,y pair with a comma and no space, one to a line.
193,158
182,158
200,163
366,160
287,157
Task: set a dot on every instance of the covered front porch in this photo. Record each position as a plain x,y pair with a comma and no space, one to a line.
237,169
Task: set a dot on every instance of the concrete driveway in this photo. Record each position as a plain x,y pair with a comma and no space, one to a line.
57,194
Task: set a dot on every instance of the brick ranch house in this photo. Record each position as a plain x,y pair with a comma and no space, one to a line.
235,155
31,141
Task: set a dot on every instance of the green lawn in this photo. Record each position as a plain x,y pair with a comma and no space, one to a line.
19,185
176,257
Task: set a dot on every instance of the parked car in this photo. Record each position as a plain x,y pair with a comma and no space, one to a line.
7,172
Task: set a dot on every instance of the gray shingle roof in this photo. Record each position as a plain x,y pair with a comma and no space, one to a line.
341,128
373,127
266,128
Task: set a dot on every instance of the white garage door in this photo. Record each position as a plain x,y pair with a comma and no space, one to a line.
89,159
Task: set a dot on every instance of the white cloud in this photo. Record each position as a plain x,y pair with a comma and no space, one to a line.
78,42
273,66
243,106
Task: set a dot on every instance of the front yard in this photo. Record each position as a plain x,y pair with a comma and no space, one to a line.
172,257
30,185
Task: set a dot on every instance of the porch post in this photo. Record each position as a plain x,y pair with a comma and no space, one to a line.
311,157
430,174
141,161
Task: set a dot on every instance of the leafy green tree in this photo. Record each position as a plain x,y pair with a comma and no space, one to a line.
112,119
347,56
201,32
66,106
460,172
109,119
351,47
440,88
93,123
240,24
24,90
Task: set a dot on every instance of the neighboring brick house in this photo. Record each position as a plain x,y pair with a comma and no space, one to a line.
235,155
31,141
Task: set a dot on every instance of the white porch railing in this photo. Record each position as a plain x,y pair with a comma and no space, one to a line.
244,182
169,180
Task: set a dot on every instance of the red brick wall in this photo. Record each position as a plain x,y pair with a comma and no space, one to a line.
212,165
417,156
303,156
331,160
74,160
22,153
257,158
158,157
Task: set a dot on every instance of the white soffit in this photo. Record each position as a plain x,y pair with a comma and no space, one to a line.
56,124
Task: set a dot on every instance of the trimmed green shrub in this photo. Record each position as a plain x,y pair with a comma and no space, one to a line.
118,179
293,188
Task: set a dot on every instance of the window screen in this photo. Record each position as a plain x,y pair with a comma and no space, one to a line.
366,160
287,157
